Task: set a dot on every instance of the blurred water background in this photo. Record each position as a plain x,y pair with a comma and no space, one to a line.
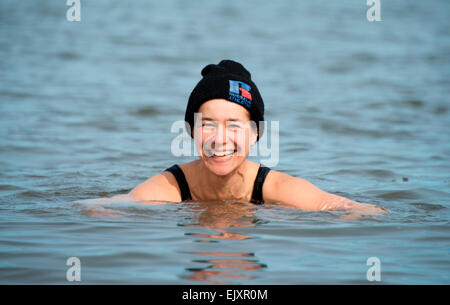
86,110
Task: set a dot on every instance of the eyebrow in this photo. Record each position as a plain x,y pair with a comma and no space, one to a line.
230,119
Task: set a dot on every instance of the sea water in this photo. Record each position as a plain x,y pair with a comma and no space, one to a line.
86,110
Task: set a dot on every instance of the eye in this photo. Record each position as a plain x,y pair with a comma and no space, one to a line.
234,126
208,124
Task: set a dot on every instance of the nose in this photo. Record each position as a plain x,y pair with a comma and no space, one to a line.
220,137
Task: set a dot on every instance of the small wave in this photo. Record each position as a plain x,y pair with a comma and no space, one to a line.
419,193
8,187
399,194
428,206
17,95
412,103
228,11
335,127
31,194
379,173
364,57
148,111
441,109
131,41
68,56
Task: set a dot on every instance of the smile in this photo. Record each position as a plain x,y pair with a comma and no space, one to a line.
223,154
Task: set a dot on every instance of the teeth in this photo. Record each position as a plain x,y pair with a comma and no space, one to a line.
221,154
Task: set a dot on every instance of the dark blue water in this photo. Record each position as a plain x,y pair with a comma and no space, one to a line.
86,110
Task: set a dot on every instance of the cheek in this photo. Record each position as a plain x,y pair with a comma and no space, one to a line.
206,140
242,142
203,134
240,138
207,136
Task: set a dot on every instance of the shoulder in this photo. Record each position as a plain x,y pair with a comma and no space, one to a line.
280,186
277,178
162,186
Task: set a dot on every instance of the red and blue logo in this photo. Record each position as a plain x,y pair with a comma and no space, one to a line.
240,93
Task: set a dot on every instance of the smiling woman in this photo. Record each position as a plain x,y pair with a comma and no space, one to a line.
222,115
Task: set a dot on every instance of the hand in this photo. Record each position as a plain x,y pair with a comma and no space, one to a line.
357,210
364,208
98,211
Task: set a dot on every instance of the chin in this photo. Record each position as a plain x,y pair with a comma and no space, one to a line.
222,168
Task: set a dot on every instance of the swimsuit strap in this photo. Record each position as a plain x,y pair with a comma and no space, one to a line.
182,183
257,195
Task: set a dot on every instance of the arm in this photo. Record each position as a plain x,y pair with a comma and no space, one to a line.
162,188
304,195
157,189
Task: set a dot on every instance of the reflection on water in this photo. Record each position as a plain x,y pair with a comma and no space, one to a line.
219,217
221,265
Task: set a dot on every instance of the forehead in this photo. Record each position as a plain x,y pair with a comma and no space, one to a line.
222,110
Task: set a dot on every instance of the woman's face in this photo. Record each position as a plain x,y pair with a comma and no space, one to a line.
224,135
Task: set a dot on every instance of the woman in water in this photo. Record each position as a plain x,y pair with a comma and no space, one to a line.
227,105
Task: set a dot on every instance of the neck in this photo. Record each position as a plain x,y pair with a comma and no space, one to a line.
229,187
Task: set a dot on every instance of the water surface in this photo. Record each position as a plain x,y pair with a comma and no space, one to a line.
86,110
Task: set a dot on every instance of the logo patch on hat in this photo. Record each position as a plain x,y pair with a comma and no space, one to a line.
240,93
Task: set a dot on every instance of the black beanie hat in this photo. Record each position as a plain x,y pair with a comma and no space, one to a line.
228,80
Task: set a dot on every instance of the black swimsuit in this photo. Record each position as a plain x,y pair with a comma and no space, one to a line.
257,196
